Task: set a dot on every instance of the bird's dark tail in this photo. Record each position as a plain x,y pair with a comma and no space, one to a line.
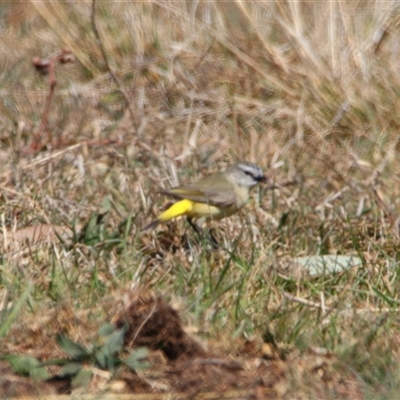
152,225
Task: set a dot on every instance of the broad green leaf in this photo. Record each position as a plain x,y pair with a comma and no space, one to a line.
102,358
136,359
71,369
106,355
106,330
22,364
39,373
116,341
27,365
106,205
83,378
70,347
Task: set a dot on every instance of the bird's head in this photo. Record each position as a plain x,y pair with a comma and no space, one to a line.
246,174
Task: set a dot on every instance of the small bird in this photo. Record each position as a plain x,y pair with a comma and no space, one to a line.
214,197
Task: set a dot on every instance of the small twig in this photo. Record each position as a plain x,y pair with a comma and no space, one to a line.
323,307
343,109
114,77
143,324
231,364
381,35
304,301
281,185
47,67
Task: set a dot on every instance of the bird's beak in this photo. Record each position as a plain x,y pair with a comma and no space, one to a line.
263,179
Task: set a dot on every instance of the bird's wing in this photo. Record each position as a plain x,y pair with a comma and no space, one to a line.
207,191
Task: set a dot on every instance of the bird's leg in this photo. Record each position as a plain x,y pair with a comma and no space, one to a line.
209,236
212,239
197,229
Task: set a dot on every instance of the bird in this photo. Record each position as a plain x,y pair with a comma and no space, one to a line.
212,198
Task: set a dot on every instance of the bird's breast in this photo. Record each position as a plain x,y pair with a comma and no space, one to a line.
242,196
203,210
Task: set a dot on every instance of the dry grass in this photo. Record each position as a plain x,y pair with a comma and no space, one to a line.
307,90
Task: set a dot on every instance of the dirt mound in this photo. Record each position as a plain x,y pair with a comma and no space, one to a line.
156,325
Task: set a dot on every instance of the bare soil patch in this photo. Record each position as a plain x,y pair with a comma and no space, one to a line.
183,365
